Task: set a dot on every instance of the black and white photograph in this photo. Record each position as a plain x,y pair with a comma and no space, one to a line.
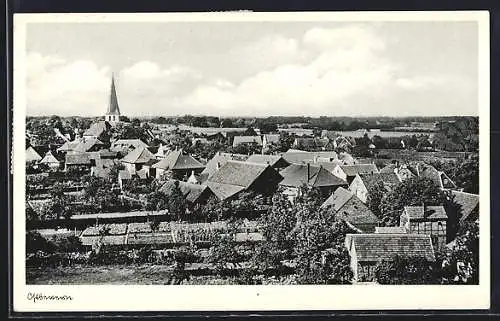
251,152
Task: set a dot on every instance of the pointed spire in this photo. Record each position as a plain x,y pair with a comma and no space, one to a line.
113,108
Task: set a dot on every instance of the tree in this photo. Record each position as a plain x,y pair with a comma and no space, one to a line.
176,202
461,262
224,250
406,270
375,194
414,191
320,254
466,174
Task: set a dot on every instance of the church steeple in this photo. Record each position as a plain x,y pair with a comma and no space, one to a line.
113,112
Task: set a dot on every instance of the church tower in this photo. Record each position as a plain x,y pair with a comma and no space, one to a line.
113,112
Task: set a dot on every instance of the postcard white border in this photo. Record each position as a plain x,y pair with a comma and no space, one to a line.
233,298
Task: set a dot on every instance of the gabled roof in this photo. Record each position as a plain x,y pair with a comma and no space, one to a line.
338,199
49,158
304,142
349,208
431,212
68,146
177,160
297,175
272,138
130,143
388,179
238,173
390,230
389,168
374,247
86,144
300,157
77,159
247,139
352,170
271,160
32,155
192,192
97,129
236,176
220,160
138,156
468,202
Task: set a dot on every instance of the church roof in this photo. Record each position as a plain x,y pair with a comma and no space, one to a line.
113,108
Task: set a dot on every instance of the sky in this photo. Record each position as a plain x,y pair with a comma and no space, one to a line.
254,68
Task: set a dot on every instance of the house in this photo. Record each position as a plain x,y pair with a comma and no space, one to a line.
270,139
78,161
98,130
236,176
297,175
219,160
275,161
218,137
238,140
123,177
178,164
349,172
121,144
193,193
32,155
390,230
366,250
352,210
136,159
346,158
68,146
362,183
403,171
469,205
429,220
51,160
162,152
88,144
438,177
301,157
310,144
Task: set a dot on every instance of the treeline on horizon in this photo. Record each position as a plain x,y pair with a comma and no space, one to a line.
270,123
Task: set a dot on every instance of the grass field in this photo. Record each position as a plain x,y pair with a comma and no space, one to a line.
144,274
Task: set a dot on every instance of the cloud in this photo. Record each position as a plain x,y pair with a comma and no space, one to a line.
324,71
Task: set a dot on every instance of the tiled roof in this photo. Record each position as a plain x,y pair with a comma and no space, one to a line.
271,160
238,173
375,247
77,159
191,192
296,175
86,144
300,157
338,198
389,179
247,139
138,156
236,176
272,138
49,158
390,230
130,142
177,160
431,212
68,146
468,202
220,160
389,168
97,129
32,154
352,170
